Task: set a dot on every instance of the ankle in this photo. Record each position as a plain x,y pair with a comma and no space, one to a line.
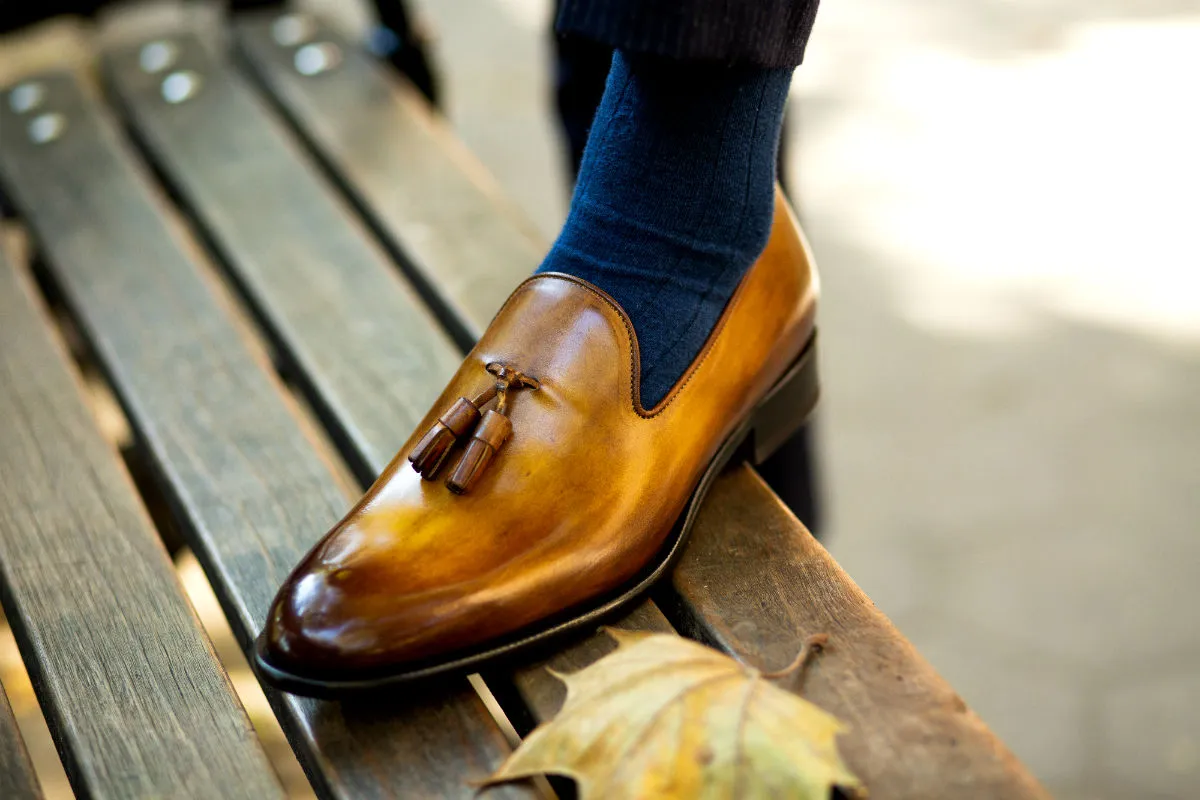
675,200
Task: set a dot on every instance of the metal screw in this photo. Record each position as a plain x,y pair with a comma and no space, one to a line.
180,86
45,128
157,56
313,59
293,29
26,97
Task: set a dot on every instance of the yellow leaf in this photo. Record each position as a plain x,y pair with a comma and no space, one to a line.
665,717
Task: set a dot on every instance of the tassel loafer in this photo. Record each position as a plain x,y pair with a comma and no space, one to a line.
539,497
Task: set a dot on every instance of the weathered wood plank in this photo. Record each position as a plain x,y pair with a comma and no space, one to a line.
251,493
17,778
757,585
302,257
131,688
428,199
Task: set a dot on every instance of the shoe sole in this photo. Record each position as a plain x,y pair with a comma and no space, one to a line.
780,414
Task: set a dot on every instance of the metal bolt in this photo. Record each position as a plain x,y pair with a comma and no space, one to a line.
154,57
26,97
45,128
313,59
293,29
180,86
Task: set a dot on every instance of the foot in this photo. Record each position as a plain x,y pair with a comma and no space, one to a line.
549,496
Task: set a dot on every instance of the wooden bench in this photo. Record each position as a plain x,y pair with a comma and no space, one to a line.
228,227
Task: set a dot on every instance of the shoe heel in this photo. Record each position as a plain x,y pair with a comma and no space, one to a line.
785,409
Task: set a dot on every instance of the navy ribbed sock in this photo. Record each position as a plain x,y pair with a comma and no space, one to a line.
674,200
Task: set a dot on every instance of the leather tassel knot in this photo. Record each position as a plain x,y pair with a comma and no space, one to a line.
491,429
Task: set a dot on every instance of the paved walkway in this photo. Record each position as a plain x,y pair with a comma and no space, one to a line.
1004,201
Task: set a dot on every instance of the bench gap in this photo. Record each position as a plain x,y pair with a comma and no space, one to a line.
106,409
22,717
262,715
320,423
114,425
450,321
32,760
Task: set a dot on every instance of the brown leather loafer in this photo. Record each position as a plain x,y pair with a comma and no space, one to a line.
538,495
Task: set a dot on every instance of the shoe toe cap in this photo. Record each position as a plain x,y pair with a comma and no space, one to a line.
315,626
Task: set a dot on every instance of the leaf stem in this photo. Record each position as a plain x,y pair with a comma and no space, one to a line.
812,645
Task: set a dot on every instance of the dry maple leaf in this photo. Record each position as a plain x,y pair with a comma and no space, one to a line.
665,717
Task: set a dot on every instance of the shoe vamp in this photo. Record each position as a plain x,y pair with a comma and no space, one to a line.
574,506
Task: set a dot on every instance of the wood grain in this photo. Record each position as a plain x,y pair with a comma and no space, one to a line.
249,490
427,198
757,585
318,281
17,778
131,688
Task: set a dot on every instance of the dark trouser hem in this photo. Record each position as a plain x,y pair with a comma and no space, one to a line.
766,33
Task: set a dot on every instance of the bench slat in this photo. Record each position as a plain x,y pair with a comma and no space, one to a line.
131,687
17,778
757,585
300,254
250,490
725,590
405,172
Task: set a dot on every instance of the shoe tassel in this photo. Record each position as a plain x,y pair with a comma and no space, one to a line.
431,452
491,430
489,437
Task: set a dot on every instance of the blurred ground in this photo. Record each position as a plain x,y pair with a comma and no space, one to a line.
1003,198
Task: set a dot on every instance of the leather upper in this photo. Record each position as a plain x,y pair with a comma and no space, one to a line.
576,502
